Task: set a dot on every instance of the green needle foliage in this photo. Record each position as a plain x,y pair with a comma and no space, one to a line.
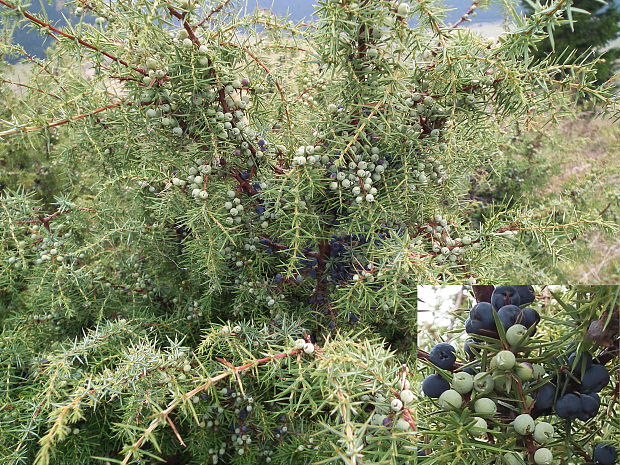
574,319
229,184
595,27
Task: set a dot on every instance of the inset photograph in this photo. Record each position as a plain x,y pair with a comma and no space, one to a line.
518,374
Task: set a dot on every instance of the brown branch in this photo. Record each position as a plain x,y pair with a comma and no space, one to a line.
46,219
214,11
243,183
465,15
279,246
203,387
6,81
43,24
11,132
176,432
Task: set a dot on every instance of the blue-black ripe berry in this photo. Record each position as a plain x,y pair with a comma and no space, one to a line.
442,356
594,379
508,315
590,404
482,315
526,294
434,385
577,365
529,317
473,326
544,397
505,295
568,406
605,454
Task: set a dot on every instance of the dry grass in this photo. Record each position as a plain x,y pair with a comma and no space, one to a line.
588,159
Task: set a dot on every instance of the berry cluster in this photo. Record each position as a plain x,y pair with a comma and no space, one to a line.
392,413
443,246
47,244
500,389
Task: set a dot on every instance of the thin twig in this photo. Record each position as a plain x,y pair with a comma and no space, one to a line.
11,132
465,16
213,12
19,84
203,387
43,24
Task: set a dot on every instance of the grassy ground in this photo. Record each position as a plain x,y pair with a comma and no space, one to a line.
585,155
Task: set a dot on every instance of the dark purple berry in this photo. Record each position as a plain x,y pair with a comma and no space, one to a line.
568,406
581,364
473,326
442,356
483,312
526,294
505,295
605,454
529,317
594,379
434,385
544,397
590,404
508,315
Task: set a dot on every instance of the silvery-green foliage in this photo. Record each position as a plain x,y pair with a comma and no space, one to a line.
231,184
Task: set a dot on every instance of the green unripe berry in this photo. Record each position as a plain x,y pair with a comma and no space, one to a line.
450,400
403,425
515,335
513,458
523,424
462,382
406,396
524,371
503,384
505,360
543,456
152,63
479,426
403,9
396,405
377,419
483,383
485,405
543,432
